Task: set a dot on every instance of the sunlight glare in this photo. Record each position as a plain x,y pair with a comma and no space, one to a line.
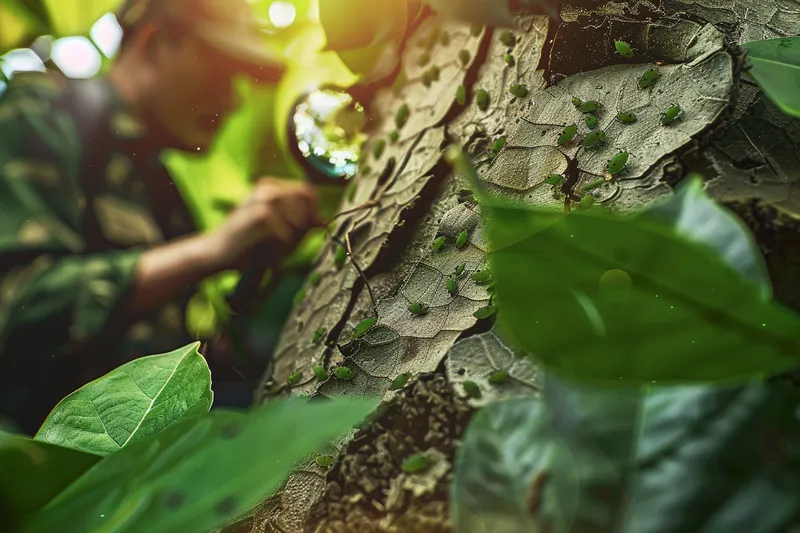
76,57
282,14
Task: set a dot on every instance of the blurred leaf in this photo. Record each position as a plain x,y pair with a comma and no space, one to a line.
695,216
17,22
197,474
32,473
612,288
658,460
132,402
76,17
505,447
350,24
776,68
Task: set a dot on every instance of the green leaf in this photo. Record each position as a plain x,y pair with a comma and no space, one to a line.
725,447
776,68
353,24
132,402
197,474
32,473
505,447
612,460
610,288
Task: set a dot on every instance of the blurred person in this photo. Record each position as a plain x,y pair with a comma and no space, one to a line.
98,253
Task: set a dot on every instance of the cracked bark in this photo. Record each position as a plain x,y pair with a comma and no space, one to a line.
745,148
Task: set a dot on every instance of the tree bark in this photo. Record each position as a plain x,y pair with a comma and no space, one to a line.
729,132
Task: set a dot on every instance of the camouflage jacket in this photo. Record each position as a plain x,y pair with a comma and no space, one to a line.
82,194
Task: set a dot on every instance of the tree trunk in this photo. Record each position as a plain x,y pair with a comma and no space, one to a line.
728,131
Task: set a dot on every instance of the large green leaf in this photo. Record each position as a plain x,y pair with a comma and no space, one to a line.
504,448
197,474
132,402
776,68
660,460
32,473
633,299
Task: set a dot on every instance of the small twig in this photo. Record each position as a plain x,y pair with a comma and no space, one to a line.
361,272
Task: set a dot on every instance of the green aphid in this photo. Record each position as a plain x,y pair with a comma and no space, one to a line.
482,99
623,49
587,201
314,279
510,60
340,257
444,38
438,242
343,373
461,95
594,138
568,134
472,389
416,463
481,276
319,334
498,377
626,117
593,185
378,148
485,312
424,59
475,30
671,114
497,145
648,77
591,121
617,163
555,179
576,102
320,373
363,327
460,269
418,308
401,116
394,136
324,461
520,91
300,296
507,38
427,79
589,106
294,378
399,382
461,240
452,286
464,56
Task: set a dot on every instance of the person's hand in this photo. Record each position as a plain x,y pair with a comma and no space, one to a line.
278,213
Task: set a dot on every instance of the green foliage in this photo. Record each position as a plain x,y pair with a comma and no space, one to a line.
354,24
32,473
503,449
131,403
683,283
198,473
775,65
598,459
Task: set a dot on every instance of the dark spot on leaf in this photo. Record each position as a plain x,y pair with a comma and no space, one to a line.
230,430
173,500
226,506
